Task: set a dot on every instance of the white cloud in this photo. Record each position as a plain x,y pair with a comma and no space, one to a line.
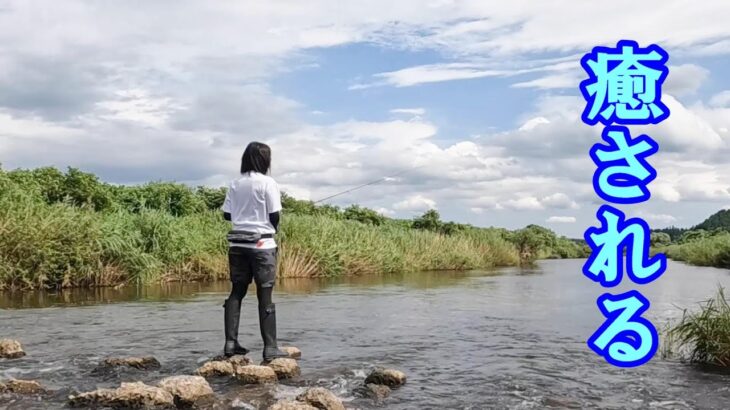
415,203
409,111
721,99
684,129
665,191
385,211
441,72
559,200
684,79
137,105
561,219
660,218
533,123
432,73
526,203
568,79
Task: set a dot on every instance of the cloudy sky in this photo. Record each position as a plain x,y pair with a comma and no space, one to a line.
476,100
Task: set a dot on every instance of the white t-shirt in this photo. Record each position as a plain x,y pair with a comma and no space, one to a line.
250,199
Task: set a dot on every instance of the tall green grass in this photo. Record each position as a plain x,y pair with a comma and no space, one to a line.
70,230
65,246
704,334
349,247
704,251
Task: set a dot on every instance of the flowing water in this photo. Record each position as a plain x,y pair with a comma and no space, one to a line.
505,339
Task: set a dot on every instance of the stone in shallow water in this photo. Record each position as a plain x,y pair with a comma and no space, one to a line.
11,349
321,398
238,360
142,363
186,389
388,377
22,386
291,405
216,368
377,391
223,366
129,395
253,374
292,351
284,368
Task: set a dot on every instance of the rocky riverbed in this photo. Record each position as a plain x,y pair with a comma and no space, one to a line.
194,390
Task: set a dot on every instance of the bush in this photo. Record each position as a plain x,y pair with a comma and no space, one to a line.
213,198
660,239
364,215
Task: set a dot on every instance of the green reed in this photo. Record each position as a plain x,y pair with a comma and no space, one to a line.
705,334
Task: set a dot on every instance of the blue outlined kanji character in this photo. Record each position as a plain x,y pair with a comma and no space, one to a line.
624,84
623,172
625,339
607,242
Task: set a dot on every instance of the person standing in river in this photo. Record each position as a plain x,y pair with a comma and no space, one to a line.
253,206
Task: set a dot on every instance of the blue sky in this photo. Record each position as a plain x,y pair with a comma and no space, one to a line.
478,99
459,107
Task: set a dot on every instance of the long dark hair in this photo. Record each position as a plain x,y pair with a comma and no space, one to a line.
256,158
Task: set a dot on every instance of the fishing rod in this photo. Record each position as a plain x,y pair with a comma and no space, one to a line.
377,181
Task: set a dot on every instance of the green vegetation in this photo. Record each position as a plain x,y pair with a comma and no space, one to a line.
719,220
702,249
706,244
705,334
69,229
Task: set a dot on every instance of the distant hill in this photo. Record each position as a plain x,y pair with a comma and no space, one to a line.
719,220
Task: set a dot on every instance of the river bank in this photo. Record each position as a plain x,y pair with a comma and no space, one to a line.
712,250
60,230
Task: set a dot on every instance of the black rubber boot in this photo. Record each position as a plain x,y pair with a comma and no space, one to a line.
267,323
232,315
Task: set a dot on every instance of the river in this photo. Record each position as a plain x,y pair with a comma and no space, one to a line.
505,339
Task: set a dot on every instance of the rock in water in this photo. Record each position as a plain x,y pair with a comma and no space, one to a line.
284,368
238,360
22,387
378,391
10,349
216,368
321,398
142,363
223,366
388,377
129,395
292,351
291,405
253,374
186,389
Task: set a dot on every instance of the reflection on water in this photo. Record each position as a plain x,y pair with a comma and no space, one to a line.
507,339
177,291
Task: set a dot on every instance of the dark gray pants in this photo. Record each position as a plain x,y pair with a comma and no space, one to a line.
248,264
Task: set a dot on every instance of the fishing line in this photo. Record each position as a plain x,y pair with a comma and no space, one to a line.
377,181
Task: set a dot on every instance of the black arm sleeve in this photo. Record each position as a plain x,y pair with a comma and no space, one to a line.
274,219
226,216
